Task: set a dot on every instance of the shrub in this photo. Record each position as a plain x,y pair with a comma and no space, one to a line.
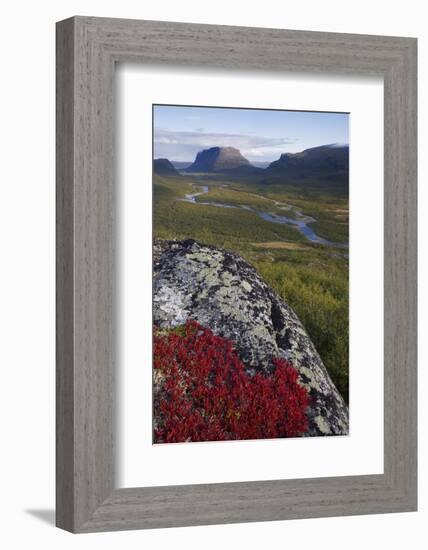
204,393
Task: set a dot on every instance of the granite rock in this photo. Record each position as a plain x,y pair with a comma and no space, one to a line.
220,290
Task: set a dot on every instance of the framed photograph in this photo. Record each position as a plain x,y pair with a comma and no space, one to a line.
236,274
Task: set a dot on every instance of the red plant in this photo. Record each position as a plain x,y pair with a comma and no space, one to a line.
206,395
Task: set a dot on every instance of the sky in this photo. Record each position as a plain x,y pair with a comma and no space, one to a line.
179,132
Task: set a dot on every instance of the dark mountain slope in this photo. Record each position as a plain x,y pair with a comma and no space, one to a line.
164,167
322,161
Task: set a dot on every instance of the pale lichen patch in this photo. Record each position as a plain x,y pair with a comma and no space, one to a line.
323,425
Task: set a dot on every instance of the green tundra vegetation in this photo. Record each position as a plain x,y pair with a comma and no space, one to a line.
312,278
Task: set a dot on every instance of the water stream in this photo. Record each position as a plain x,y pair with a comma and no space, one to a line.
301,223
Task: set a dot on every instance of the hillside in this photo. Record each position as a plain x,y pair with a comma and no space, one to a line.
327,160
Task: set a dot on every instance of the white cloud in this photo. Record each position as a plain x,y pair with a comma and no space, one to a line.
166,141
183,145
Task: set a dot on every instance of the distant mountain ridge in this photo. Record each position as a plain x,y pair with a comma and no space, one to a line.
324,161
181,164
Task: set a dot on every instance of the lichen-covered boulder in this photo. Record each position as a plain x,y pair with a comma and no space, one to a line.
220,290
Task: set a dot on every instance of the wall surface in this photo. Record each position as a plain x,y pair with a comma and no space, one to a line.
27,272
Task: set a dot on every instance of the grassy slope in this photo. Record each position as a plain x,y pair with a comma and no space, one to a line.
313,279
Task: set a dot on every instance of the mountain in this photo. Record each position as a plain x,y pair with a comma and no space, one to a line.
218,159
235,303
164,167
260,163
324,160
245,170
181,164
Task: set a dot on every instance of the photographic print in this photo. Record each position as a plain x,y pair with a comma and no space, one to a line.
250,273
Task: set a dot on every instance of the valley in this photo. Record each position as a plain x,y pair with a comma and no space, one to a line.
293,228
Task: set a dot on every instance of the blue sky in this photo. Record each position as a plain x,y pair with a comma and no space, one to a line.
260,135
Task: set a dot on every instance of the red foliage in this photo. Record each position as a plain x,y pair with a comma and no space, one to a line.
207,395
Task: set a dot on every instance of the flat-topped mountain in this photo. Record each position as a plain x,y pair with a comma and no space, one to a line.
325,159
217,159
164,167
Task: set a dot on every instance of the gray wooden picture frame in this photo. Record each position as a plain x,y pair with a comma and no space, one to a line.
87,50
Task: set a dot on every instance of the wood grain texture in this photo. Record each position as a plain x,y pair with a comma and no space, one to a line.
64,277
87,49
